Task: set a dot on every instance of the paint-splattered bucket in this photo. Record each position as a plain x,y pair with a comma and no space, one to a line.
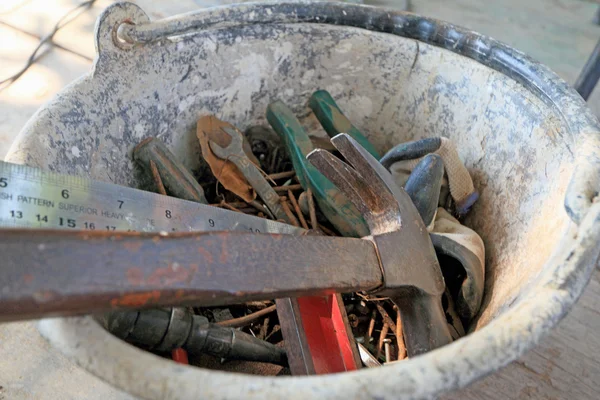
528,139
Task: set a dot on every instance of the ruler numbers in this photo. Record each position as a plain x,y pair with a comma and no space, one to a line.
32,198
53,206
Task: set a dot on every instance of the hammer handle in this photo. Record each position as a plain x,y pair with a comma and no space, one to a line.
57,272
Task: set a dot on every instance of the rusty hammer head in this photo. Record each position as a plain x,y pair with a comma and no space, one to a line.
412,274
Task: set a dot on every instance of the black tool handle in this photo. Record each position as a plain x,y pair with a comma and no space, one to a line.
423,322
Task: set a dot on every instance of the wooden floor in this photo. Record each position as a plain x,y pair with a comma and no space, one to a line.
559,33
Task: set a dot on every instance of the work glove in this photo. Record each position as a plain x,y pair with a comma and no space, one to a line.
403,158
460,250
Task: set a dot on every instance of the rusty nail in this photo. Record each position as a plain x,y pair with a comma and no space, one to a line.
286,209
286,188
386,317
327,231
275,329
157,180
229,206
246,319
399,335
382,335
312,209
263,329
237,204
282,175
297,209
371,327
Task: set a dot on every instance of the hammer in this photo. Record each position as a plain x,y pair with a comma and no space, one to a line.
56,273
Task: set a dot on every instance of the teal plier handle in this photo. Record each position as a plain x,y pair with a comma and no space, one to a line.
336,207
335,122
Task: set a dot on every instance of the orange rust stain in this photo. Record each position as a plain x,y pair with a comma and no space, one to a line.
208,258
27,278
136,300
171,275
223,255
45,296
133,247
135,276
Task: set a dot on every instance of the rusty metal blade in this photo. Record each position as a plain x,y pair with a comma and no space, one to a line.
53,272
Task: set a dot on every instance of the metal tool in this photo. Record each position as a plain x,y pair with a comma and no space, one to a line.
60,273
152,153
335,122
297,316
367,358
164,330
177,179
394,222
328,316
335,206
235,153
291,318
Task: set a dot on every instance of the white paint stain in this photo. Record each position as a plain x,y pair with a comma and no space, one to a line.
210,45
344,47
308,75
185,103
75,151
283,51
138,130
246,83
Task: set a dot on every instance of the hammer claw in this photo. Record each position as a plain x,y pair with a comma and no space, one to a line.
347,179
412,275
368,168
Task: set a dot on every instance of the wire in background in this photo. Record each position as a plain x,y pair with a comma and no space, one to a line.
63,21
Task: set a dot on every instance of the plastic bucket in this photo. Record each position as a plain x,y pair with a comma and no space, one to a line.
528,139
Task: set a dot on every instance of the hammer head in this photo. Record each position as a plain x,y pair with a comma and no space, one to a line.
408,259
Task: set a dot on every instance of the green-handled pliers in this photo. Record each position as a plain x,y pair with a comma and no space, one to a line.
336,207
335,122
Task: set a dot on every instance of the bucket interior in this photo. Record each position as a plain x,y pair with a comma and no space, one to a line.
393,89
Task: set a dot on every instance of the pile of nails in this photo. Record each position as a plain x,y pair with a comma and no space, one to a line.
263,171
